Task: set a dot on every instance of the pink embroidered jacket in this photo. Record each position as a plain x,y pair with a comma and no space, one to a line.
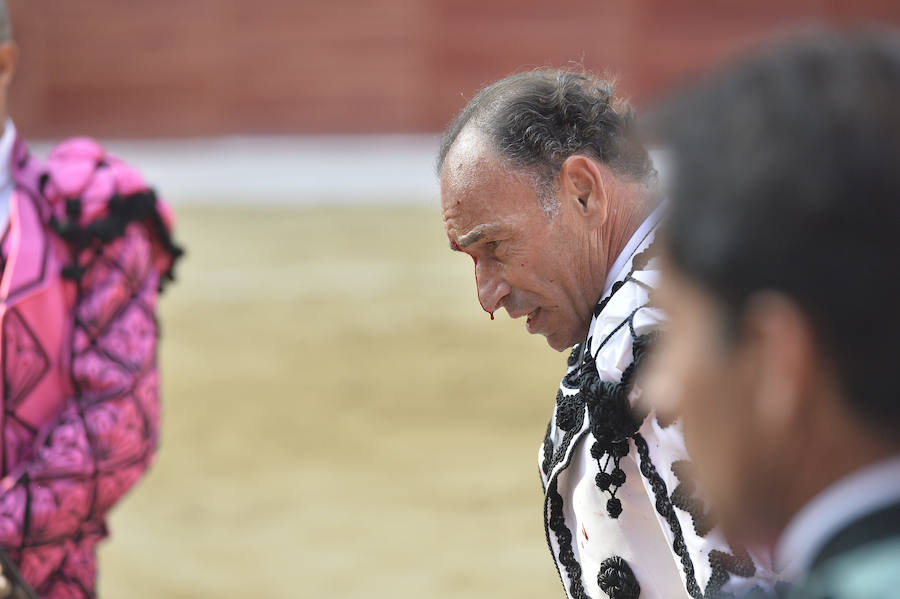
82,261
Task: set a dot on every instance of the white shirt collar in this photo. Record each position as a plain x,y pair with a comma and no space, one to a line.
7,184
618,267
6,145
852,497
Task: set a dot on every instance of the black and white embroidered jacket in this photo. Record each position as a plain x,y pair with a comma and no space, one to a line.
620,513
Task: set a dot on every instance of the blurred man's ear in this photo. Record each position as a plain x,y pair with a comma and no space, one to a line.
781,344
9,57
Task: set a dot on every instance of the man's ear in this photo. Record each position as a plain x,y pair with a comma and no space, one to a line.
781,343
582,182
9,59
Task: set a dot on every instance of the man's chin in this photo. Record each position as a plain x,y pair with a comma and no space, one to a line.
557,342
562,340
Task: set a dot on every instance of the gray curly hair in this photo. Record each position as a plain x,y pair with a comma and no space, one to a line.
537,119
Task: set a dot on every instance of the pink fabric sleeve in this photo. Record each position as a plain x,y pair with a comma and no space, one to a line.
52,510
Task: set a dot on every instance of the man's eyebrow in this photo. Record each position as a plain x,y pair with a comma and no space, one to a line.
475,234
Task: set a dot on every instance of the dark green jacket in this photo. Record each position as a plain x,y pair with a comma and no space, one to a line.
862,561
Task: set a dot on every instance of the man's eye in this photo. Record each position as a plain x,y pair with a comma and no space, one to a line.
493,245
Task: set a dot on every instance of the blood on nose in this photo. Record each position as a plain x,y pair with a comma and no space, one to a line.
456,247
477,288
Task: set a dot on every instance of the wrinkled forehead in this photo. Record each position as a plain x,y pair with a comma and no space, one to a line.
469,179
469,163
478,184
480,190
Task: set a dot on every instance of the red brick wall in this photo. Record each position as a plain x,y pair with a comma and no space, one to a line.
203,67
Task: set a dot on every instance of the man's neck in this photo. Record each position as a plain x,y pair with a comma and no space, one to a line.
626,215
606,241
810,482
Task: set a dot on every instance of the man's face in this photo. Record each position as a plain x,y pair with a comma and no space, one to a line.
709,381
526,261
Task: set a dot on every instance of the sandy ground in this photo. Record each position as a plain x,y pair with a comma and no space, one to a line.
341,419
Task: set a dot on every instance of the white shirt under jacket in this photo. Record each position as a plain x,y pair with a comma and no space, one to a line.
664,552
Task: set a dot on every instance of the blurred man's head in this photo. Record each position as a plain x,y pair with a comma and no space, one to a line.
9,54
782,275
542,184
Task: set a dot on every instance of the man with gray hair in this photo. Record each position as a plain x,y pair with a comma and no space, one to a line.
543,185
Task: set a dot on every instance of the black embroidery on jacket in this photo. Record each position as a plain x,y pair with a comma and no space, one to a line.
612,419
684,497
573,401
121,212
598,309
572,380
665,509
611,424
576,410
557,521
548,450
641,260
570,412
564,536
723,564
574,356
617,580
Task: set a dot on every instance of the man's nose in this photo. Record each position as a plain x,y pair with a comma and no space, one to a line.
491,287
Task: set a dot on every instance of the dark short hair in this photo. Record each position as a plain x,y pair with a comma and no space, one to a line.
537,119
786,176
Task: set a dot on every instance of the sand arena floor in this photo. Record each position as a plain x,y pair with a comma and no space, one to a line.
341,420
